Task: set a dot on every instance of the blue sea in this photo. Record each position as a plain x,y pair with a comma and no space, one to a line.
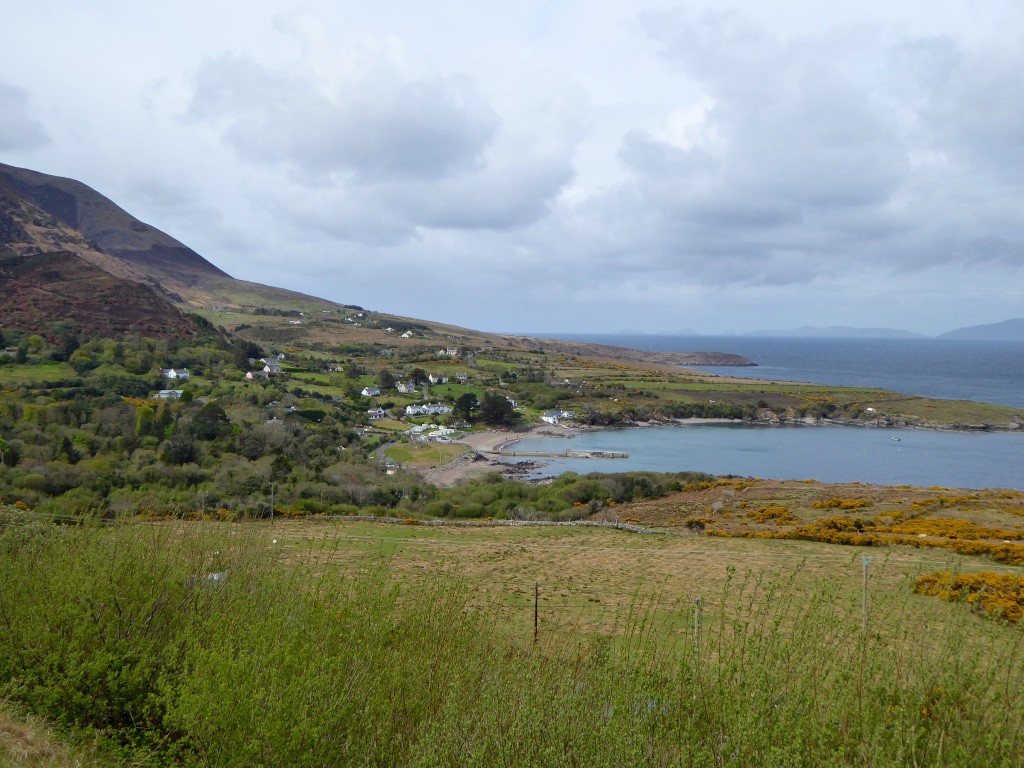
986,371
965,370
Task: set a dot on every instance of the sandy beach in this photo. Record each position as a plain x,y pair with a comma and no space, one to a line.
484,446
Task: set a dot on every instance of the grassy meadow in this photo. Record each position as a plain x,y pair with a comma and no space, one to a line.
325,642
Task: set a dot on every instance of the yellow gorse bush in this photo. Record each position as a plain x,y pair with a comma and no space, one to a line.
771,514
999,595
836,503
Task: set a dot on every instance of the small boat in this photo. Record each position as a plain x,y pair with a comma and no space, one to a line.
895,438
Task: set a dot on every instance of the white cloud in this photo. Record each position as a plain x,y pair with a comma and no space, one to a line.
720,164
19,129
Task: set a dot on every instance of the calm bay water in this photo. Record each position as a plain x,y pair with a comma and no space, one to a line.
966,370
829,454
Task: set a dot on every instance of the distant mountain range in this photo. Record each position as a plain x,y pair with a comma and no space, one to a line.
1007,330
838,332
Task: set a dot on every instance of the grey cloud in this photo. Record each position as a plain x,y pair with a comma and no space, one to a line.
376,153
18,128
820,157
421,129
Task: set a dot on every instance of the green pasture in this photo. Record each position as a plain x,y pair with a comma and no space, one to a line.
308,643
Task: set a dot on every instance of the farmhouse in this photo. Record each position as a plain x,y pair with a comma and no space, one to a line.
174,373
437,378
406,388
554,417
370,392
376,414
253,375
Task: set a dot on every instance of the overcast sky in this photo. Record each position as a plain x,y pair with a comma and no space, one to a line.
591,165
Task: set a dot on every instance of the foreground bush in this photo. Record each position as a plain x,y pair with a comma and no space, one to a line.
210,645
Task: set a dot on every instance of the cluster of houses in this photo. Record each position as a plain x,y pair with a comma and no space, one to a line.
425,433
271,367
408,388
428,409
176,374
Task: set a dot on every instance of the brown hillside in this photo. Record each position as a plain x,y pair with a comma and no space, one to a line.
38,290
108,227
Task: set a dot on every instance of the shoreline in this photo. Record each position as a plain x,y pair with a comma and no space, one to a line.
486,447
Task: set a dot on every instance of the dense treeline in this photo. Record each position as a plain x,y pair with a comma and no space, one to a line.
82,435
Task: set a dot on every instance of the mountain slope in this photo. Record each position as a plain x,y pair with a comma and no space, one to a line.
40,290
110,228
1007,330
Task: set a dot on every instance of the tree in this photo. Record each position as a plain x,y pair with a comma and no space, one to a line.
419,376
280,468
465,405
243,350
386,379
495,408
68,450
210,422
4,450
145,418
180,450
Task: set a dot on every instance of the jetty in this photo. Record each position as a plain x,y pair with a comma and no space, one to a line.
563,454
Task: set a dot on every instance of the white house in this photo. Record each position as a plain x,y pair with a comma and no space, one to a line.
406,388
370,392
462,378
407,335
554,417
253,375
174,373
448,352
437,378
272,369
430,409
376,414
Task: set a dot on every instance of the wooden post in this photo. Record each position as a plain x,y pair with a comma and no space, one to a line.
864,620
696,627
536,613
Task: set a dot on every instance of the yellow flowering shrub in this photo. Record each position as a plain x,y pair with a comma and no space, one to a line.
771,515
953,529
999,595
836,503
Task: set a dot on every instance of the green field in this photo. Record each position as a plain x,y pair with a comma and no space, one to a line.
12,375
353,643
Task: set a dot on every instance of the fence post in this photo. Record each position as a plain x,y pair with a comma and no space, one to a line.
864,600
696,627
536,602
